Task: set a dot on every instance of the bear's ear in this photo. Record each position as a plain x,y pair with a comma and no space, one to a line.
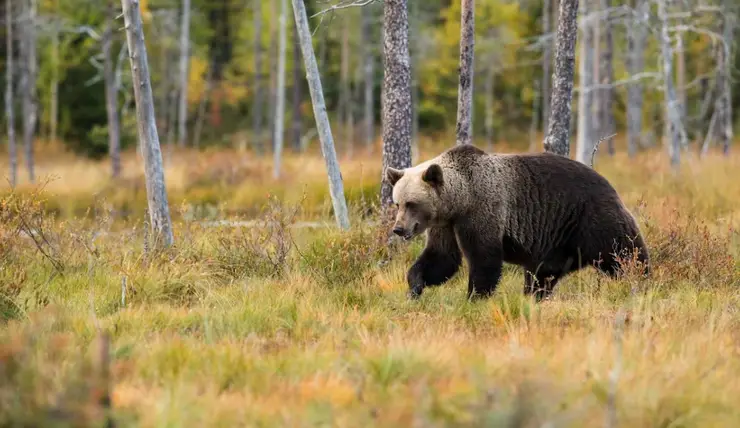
433,175
393,175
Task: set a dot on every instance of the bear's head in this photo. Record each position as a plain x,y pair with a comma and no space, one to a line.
417,193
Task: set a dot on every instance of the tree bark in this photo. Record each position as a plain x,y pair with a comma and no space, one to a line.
636,42
369,68
464,127
676,130
257,100
414,54
558,131
724,101
297,91
29,87
9,110
396,99
336,187
584,144
606,76
546,61
54,102
272,70
280,101
182,124
111,93
159,212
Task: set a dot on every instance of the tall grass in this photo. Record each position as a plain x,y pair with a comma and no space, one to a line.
273,323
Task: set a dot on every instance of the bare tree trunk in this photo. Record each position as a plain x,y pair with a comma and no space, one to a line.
584,145
257,100
54,102
369,68
344,95
198,131
272,70
159,212
724,100
111,93
336,187
546,61
464,129
415,54
636,42
29,87
9,111
297,91
677,133
182,124
606,76
558,131
681,76
489,96
280,101
396,99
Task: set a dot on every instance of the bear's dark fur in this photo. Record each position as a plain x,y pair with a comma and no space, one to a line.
544,212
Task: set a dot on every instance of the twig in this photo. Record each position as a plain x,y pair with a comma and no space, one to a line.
596,147
123,292
343,6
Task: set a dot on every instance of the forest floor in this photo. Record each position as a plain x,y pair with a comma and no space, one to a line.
277,325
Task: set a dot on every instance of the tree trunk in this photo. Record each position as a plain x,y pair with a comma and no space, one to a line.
344,95
111,94
159,212
558,131
202,108
546,61
369,68
29,87
272,70
676,131
636,42
681,76
54,102
415,54
257,100
336,188
396,97
606,76
280,101
9,111
464,127
297,91
584,145
182,124
724,85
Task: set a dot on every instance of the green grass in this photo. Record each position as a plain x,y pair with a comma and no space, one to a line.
273,326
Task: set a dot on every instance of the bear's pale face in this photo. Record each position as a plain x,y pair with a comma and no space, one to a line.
416,195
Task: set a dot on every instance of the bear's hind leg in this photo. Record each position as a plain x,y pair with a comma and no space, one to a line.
439,261
540,285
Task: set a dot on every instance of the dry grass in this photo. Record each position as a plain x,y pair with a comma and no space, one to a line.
272,326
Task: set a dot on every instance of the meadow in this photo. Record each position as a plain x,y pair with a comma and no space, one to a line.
276,318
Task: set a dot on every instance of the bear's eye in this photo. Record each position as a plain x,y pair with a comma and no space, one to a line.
410,205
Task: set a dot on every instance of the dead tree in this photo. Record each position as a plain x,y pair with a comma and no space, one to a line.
464,128
723,104
182,115
636,43
396,98
28,84
280,101
585,142
558,133
257,99
9,110
336,187
159,213
605,104
111,93
297,126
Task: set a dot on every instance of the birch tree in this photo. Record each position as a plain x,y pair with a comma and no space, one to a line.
257,99
297,125
464,128
558,131
723,104
605,106
9,81
182,115
280,101
336,187
636,43
111,92
159,213
585,142
28,84
54,99
396,98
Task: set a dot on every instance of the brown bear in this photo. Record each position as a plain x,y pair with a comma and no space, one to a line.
544,212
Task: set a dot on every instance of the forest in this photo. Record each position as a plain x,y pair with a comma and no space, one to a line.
195,196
